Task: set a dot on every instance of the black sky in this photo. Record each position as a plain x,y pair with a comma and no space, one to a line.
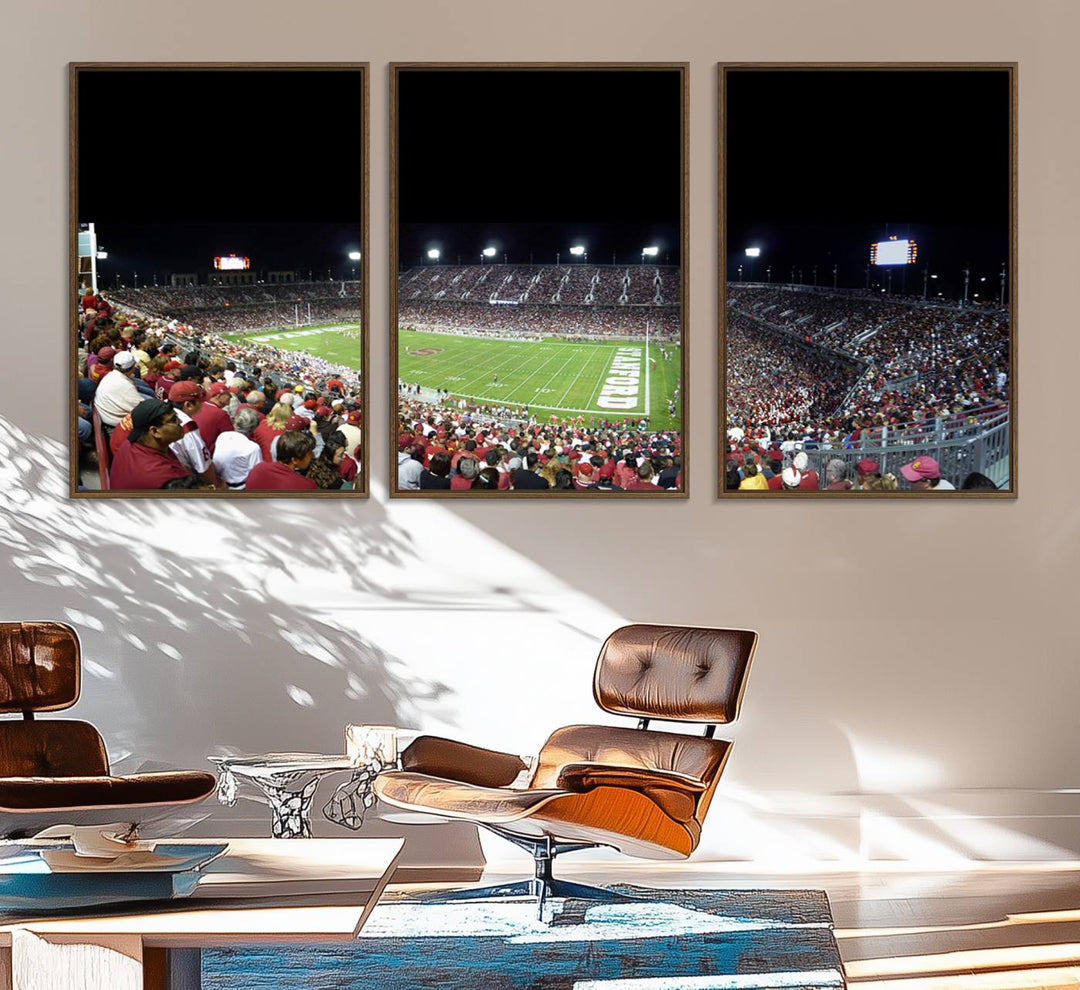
821,163
534,161
176,166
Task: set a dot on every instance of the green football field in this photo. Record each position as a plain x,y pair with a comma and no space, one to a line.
328,341
551,376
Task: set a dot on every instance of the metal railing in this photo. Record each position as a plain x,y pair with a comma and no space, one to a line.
982,446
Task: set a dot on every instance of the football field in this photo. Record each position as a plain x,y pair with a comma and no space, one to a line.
601,380
329,341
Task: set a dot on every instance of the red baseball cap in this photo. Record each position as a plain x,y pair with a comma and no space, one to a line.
186,391
216,389
298,423
867,466
920,469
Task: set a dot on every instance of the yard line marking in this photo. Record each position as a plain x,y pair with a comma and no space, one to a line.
502,400
596,358
554,376
493,369
586,364
465,359
599,382
538,369
648,378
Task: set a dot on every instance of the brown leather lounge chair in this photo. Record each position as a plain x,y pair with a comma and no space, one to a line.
645,793
56,771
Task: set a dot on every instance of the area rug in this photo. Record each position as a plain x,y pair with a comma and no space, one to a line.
661,940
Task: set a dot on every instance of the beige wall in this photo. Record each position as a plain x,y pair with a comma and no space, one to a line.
918,661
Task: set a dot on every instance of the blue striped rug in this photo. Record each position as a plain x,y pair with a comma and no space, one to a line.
666,940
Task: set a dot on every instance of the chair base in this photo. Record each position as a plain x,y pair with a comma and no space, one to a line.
535,889
543,885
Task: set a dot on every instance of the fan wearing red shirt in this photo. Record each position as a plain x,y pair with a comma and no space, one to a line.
294,451
271,428
189,396
145,461
643,482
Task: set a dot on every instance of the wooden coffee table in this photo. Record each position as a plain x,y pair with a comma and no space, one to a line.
261,890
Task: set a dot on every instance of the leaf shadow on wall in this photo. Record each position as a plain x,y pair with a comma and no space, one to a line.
198,635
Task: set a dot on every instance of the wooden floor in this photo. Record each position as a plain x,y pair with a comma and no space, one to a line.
987,926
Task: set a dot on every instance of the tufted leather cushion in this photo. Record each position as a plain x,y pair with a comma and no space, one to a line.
39,666
674,672
619,746
51,748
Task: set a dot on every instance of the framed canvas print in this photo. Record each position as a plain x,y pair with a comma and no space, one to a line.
217,281
538,228
868,280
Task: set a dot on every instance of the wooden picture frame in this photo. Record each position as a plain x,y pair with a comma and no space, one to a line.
448,80
974,443
235,169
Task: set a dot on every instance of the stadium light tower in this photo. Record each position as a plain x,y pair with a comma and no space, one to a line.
579,251
649,252
752,253
433,255
100,255
488,252
353,256
740,273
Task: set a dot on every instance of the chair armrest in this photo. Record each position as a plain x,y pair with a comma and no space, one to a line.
675,793
460,761
135,790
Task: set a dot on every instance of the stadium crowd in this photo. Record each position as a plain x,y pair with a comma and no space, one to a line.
480,448
236,308
810,371
180,408
555,321
568,285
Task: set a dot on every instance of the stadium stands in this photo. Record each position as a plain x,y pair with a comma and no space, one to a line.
230,309
319,392
562,321
890,379
566,285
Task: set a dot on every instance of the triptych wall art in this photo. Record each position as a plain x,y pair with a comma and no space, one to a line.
538,293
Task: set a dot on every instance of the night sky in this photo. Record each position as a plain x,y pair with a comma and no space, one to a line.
532,162
822,163
175,167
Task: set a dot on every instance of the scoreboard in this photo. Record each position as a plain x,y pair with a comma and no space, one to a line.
231,263
893,252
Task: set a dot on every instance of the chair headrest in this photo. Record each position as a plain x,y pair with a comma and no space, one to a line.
678,673
39,666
